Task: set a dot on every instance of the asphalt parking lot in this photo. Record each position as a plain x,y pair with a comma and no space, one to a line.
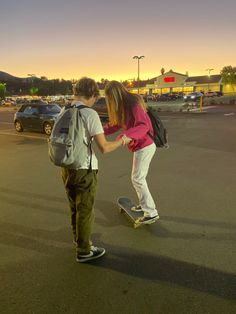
184,263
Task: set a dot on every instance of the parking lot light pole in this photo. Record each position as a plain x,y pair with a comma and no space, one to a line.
209,75
32,78
138,58
201,103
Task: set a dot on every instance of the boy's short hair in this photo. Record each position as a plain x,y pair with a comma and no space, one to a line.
86,87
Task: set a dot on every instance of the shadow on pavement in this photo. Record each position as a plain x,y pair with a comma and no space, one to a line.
125,260
25,193
112,218
165,269
214,224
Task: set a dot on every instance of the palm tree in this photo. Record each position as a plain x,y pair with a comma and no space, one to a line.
2,90
33,91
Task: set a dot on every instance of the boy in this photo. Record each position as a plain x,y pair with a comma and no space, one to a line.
80,184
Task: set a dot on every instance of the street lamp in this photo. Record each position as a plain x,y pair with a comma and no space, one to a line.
32,78
209,75
138,58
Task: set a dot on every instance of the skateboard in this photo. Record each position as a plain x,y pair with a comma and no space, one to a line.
125,205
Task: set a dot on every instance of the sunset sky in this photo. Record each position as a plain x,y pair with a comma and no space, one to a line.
98,38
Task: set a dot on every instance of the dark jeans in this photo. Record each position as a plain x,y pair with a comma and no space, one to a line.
81,187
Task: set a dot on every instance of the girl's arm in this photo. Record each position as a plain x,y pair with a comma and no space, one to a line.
108,129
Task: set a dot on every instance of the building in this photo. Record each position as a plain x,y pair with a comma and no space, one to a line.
173,82
205,83
169,82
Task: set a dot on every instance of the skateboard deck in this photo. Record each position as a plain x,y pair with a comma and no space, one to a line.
125,205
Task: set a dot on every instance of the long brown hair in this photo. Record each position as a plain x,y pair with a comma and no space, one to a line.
119,102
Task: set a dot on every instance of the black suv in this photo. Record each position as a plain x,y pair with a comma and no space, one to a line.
101,108
37,117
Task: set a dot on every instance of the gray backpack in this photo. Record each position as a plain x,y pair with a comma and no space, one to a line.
66,145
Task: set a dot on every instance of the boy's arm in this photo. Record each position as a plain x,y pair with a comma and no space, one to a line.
107,147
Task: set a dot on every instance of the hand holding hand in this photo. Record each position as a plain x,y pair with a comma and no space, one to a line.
126,140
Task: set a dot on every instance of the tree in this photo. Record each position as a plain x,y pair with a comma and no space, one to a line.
33,91
103,83
228,74
43,78
162,71
2,90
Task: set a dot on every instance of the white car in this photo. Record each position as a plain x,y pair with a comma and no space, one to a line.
211,94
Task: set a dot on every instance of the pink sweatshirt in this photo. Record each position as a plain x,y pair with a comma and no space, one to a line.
136,128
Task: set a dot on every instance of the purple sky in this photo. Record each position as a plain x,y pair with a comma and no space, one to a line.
73,38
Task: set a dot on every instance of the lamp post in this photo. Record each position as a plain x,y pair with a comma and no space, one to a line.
32,78
138,58
31,90
209,75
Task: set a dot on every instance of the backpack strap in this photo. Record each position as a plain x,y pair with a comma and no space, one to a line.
149,133
79,107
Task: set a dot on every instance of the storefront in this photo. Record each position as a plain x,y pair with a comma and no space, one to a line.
206,83
173,82
170,82
229,89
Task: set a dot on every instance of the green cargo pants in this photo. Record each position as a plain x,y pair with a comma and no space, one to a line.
81,187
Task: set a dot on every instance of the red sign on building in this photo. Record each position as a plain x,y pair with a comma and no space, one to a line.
169,79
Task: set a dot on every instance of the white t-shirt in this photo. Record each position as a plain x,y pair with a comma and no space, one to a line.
93,126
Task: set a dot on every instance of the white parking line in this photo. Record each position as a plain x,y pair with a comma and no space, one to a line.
23,135
229,114
203,108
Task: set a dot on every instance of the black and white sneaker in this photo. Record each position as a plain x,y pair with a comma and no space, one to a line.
137,208
95,252
147,220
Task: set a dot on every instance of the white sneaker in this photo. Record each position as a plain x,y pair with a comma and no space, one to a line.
147,220
137,208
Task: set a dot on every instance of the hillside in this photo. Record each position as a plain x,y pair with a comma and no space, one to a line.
7,77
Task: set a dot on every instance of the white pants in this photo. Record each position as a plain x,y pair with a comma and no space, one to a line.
141,162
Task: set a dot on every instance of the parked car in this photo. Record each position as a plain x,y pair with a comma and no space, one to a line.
173,96
178,95
101,108
210,94
151,97
213,94
20,101
8,103
36,117
37,102
163,97
195,96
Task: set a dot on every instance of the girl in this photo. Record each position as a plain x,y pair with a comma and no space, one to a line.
128,111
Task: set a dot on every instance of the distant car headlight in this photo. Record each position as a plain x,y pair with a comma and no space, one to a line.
185,97
192,97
